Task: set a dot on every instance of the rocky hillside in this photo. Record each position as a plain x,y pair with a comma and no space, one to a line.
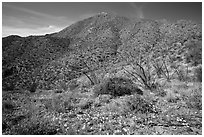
94,43
105,75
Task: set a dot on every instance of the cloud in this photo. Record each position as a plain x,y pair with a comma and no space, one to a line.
36,13
32,22
85,15
30,26
138,7
20,22
7,30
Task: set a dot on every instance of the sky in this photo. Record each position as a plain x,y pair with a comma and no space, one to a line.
38,18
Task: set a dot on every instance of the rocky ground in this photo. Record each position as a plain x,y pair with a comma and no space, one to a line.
174,110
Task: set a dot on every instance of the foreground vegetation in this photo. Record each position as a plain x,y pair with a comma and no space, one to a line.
106,108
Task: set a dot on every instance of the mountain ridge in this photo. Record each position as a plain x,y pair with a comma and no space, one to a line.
98,39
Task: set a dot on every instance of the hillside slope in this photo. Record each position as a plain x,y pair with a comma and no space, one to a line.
105,75
99,40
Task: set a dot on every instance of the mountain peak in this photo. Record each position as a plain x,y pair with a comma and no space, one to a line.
102,13
109,14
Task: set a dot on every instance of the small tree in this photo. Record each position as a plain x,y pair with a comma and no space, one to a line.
85,72
143,71
162,69
87,62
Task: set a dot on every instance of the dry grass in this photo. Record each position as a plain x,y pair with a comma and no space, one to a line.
177,111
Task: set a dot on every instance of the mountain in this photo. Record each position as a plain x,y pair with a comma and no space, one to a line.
104,75
94,43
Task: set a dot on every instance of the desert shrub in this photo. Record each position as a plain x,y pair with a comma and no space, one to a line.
73,84
35,125
161,93
56,104
182,74
105,98
117,87
34,120
47,103
63,85
61,103
28,116
138,104
8,86
192,97
142,74
198,74
85,103
172,99
33,87
68,105
162,70
8,72
117,105
101,100
8,106
130,104
4,125
36,129
194,100
194,55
